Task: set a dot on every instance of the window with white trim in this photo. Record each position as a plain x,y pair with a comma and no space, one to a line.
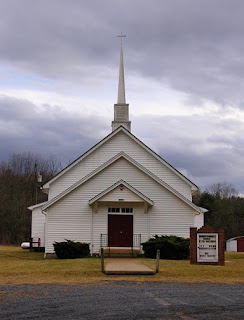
127,210
113,209
122,210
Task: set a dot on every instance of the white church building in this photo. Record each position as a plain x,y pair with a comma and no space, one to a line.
117,194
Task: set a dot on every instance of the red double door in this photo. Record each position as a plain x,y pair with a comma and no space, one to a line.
120,230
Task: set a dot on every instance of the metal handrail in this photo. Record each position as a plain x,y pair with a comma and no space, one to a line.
104,241
136,240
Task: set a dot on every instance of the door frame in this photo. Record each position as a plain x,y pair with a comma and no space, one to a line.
120,214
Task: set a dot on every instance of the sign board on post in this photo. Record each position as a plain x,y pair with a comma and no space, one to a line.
207,246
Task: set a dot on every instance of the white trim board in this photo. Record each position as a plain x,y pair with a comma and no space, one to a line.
36,205
136,164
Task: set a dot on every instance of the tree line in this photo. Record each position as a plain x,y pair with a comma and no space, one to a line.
226,208
18,190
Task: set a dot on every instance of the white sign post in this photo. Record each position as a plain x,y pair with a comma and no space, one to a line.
207,247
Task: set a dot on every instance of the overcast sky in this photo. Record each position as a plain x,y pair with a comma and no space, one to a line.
184,71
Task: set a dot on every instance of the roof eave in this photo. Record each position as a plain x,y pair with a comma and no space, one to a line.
41,204
72,164
194,187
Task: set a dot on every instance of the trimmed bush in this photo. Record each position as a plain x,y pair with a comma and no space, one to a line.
69,249
171,247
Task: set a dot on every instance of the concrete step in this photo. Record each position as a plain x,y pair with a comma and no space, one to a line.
129,266
122,253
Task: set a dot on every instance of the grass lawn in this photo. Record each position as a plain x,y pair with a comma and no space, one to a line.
18,266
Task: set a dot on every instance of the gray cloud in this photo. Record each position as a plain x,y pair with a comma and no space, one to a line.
52,131
194,46
207,150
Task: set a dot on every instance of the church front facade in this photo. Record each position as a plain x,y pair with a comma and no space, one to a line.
118,194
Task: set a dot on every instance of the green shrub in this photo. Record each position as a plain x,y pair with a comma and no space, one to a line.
69,249
171,247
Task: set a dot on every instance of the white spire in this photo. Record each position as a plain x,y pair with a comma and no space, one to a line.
121,87
121,109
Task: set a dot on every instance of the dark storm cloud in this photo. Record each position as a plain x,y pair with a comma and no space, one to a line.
51,131
52,38
207,149
194,46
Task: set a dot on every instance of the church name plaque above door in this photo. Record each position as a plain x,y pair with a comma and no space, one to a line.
207,247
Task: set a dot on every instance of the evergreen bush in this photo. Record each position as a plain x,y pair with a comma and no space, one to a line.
171,247
69,249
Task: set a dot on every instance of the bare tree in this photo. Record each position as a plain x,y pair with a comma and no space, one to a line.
226,208
54,164
18,190
223,190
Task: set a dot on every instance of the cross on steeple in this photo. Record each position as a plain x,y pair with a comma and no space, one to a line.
121,36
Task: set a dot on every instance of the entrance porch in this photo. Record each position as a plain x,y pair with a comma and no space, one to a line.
133,250
120,220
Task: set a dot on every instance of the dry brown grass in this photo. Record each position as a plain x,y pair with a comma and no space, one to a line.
18,266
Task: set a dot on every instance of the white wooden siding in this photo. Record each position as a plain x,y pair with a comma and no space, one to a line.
71,217
170,216
199,220
117,194
119,142
38,225
141,225
100,225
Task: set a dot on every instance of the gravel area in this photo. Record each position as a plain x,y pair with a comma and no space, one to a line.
123,300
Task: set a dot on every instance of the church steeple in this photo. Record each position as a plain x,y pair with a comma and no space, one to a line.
121,109
121,87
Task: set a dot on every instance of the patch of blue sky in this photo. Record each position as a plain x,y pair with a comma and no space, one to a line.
12,78
16,79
